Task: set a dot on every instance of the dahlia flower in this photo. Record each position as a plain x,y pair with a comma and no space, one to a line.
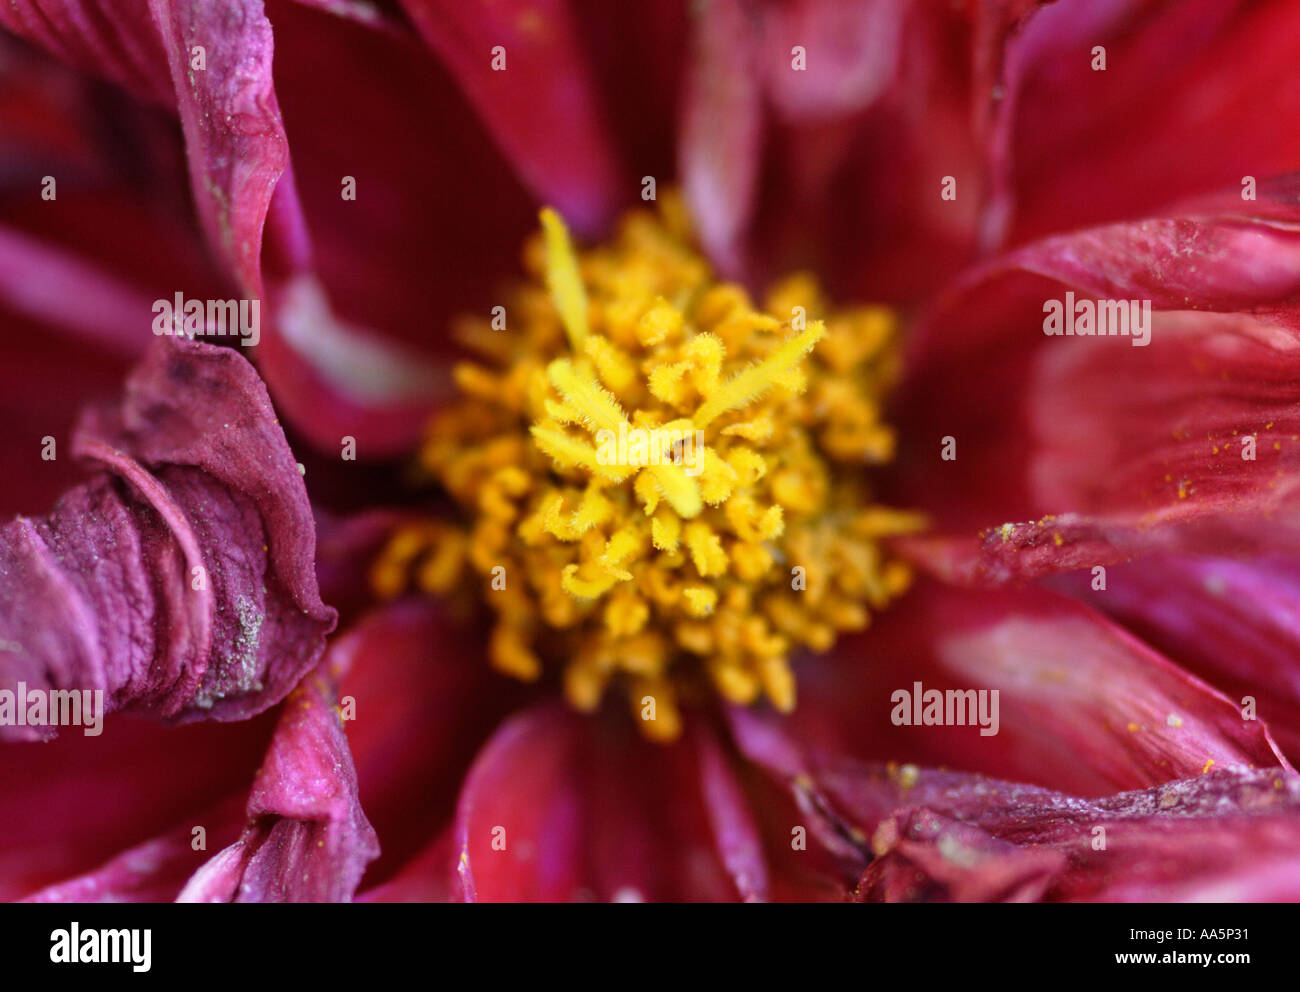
753,449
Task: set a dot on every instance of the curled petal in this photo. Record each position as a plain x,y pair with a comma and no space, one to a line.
181,581
307,838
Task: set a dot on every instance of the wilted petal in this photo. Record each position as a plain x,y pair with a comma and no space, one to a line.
925,857
941,835
1224,837
185,587
307,839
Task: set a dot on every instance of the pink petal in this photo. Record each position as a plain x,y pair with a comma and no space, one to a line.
852,48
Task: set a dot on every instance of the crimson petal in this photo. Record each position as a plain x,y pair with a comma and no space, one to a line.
539,105
1082,705
566,807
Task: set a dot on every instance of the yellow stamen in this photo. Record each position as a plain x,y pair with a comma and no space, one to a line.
669,496
562,278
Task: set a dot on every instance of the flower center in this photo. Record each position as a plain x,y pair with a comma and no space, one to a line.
661,484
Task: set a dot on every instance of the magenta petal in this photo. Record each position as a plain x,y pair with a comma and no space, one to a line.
185,587
307,839
154,871
739,846
540,106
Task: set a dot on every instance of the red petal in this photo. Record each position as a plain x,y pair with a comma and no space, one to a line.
540,107
1082,705
588,810
1174,74
425,701
1126,434
1234,623
76,802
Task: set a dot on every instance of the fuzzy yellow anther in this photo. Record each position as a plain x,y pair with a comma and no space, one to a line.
670,495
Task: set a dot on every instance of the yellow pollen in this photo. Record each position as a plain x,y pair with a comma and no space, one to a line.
661,485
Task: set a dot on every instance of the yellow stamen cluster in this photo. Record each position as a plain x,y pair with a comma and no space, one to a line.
661,483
